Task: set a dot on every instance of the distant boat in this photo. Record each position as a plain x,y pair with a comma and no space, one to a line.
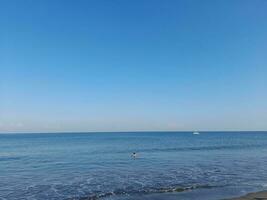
196,133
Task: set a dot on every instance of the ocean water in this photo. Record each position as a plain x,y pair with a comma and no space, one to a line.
169,165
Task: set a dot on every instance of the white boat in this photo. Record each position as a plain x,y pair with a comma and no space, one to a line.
196,133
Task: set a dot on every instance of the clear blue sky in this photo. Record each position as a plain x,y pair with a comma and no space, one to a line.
116,65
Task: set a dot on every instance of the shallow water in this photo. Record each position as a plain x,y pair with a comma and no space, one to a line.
169,165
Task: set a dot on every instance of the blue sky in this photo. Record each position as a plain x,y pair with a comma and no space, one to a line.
133,65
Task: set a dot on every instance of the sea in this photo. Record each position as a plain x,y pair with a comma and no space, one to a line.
168,165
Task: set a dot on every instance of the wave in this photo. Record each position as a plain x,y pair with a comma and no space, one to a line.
204,148
185,149
144,191
10,158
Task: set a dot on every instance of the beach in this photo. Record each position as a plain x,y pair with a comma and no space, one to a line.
253,196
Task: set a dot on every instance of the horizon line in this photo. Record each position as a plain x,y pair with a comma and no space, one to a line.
139,131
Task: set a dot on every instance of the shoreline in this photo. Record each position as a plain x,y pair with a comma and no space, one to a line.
262,195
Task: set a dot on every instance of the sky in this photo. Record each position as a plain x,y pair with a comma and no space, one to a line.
140,65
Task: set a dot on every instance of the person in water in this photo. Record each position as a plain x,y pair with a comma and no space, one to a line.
134,155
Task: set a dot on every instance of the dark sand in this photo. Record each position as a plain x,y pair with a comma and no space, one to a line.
253,196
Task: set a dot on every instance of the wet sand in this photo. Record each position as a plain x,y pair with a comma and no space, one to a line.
253,196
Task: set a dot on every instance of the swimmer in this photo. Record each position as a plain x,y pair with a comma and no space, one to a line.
134,155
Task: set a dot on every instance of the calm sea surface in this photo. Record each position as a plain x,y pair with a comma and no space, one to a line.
169,165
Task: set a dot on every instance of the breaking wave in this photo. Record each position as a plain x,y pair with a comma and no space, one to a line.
144,191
